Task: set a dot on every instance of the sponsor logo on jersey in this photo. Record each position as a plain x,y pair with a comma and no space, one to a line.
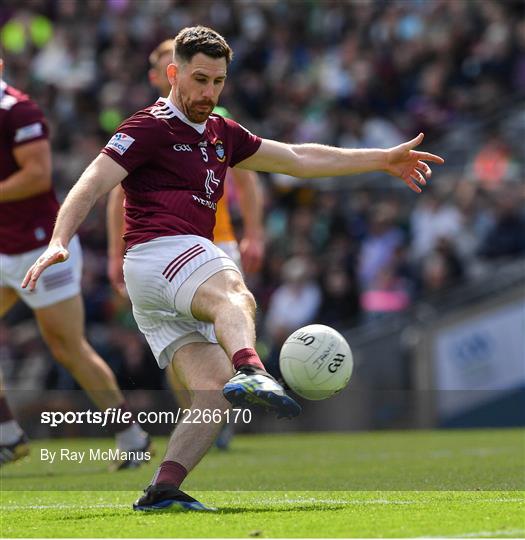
219,150
120,142
182,148
29,132
204,202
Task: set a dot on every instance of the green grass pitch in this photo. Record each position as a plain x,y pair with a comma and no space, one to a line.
394,484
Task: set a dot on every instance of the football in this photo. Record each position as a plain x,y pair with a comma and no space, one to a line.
316,362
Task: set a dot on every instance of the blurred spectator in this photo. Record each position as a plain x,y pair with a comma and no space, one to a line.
380,244
388,293
432,220
441,268
340,298
507,236
493,163
295,303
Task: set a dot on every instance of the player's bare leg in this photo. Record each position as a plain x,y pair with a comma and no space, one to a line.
13,441
182,394
225,301
62,328
8,298
183,397
204,368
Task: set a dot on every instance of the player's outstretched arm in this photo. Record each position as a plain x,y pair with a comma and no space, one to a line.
100,176
315,160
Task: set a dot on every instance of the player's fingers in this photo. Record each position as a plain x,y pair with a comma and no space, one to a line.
27,278
427,156
416,141
424,168
418,177
32,277
412,185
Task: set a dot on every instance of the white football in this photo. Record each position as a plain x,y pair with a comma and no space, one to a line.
316,362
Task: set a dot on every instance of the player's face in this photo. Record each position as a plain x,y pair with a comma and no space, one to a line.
198,85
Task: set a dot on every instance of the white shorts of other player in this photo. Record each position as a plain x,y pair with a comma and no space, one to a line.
58,282
231,249
162,276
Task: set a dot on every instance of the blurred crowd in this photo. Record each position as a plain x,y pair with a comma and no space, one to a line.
347,73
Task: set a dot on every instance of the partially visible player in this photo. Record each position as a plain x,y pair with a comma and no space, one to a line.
28,209
189,298
248,190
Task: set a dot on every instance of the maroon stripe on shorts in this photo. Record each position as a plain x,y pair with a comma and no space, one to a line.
183,262
58,280
178,257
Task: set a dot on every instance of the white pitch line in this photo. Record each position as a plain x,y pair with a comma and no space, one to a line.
490,534
62,506
270,502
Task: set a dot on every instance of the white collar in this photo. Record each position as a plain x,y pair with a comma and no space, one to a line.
181,116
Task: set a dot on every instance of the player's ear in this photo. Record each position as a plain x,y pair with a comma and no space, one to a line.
171,73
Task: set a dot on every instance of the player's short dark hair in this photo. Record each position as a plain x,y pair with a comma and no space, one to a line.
200,39
160,50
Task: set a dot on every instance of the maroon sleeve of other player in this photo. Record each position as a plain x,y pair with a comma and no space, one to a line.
134,142
26,124
244,143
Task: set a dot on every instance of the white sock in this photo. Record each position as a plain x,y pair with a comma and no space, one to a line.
132,438
10,432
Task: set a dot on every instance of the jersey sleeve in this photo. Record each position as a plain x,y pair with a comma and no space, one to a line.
134,142
26,124
244,143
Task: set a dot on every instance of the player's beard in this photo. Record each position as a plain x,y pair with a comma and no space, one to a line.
199,111
196,111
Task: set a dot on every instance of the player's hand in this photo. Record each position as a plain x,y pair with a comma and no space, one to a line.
252,253
116,275
409,164
54,254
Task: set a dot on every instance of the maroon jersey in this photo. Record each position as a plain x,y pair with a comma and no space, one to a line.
176,169
25,224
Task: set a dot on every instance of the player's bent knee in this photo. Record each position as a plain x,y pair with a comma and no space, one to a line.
239,295
247,300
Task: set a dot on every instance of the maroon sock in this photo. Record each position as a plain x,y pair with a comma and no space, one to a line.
5,411
121,425
247,357
170,472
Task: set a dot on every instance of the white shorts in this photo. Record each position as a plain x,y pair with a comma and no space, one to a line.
231,249
58,282
162,276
